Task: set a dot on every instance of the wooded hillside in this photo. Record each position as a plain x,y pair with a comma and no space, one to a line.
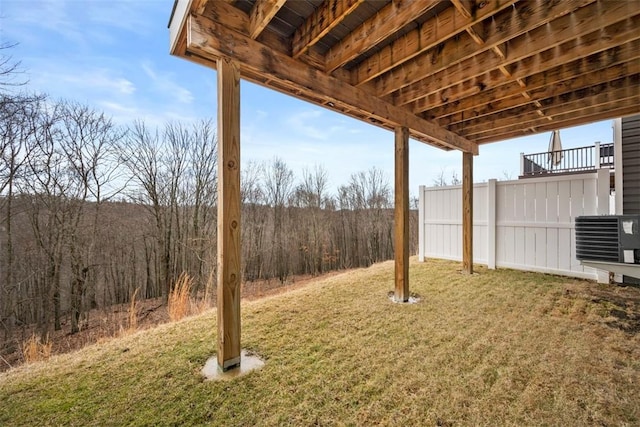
92,212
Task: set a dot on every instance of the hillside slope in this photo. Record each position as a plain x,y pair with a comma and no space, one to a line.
498,347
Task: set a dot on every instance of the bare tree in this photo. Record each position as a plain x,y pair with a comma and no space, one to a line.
202,167
51,190
311,195
89,143
278,185
10,69
254,220
176,176
143,156
441,179
17,127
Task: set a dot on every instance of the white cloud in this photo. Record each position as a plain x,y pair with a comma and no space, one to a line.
50,15
126,15
302,123
164,83
101,80
75,81
54,10
118,110
310,124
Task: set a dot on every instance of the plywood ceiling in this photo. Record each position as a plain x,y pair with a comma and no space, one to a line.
457,73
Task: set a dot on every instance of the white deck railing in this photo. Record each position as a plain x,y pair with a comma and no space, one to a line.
581,159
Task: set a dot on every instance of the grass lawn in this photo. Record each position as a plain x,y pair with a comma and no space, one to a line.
497,348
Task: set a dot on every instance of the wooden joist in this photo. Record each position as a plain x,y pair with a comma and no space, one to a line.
433,32
609,110
590,115
262,13
464,7
388,20
211,39
546,92
577,107
573,100
470,67
512,23
324,19
597,68
573,50
533,53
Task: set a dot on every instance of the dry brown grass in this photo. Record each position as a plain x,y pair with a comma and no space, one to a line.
179,302
207,300
132,314
35,350
496,348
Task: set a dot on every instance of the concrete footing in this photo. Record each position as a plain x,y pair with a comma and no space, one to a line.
248,362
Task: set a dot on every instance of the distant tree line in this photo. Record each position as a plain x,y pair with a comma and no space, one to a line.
90,212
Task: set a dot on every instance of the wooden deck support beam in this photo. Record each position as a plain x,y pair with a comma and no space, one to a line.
262,13
467,213
229,272
401,216
210,39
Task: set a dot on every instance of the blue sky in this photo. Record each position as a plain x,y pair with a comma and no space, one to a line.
113,55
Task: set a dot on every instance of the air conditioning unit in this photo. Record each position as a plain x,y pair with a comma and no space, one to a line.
608,239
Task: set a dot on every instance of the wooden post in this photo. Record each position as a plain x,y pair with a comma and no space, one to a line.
467,212
229,272
401,216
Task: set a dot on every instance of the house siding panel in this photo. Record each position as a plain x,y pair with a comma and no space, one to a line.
631,164
631,172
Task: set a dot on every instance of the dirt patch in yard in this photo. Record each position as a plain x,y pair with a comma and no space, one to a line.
617,305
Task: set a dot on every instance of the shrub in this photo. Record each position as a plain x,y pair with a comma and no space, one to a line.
34,349
179,303
133,312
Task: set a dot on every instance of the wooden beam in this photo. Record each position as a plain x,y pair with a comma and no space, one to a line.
540,124
568,41
539,94
611,111
229,265
262,13
211,39
236,20
511,23
433,32
565,97
559,115
383,24
467,213
600,67
401,216
198,6
326,17
574,101
464,7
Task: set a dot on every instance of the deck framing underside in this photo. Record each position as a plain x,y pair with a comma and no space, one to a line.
457,73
